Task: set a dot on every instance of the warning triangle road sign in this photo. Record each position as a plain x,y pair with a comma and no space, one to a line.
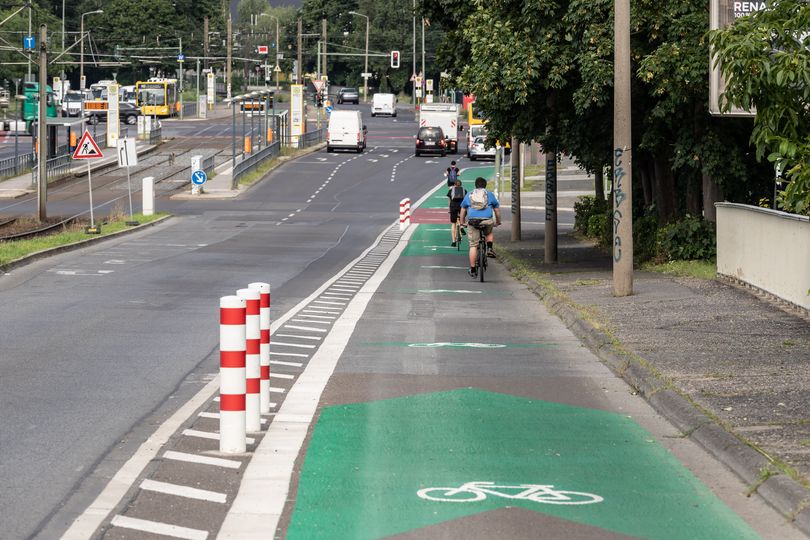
87,148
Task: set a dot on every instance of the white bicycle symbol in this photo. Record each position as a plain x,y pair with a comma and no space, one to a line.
478,491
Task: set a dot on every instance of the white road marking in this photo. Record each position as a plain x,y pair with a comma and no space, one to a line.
335,296
329,302
297,355
459,291
281,376
299,337
209,435
346,289
310,321
276,390
324,310
156,527
290,364
283,344
317,317
184,491
202,460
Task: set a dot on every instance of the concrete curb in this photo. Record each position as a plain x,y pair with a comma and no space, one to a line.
783,493
28,259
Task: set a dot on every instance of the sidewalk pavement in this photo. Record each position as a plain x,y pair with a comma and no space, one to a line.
730,369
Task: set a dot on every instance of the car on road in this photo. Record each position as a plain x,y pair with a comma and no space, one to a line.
348,95
72,103
127,113
346,131
430,140
384,104
478,149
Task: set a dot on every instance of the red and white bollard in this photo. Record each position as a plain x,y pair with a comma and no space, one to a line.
252,298
264,345
231,375
404,214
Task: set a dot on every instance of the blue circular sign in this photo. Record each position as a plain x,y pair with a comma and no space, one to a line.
198,178
328,109
181,57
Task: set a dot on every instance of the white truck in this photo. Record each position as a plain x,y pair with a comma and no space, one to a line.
445,116
384,104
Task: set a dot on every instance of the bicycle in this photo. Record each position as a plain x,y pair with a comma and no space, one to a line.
481,256
478,491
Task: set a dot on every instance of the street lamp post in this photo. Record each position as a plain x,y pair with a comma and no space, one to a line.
365,70
275,64
81,47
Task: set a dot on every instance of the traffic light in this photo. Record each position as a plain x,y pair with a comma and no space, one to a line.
394,59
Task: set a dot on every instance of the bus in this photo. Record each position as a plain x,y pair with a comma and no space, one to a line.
157,97
30,109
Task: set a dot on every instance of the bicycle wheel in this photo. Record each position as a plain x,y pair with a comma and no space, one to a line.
482,259
447,494
566,498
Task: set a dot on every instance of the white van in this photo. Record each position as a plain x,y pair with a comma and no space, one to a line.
384,104
346,131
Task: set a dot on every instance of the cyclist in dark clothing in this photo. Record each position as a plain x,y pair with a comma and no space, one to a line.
455,194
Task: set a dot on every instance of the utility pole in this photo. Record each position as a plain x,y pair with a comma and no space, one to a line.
300,70
323,40
413,71
228,66
516,157
551,206
29,54
42,127
622,156
205,43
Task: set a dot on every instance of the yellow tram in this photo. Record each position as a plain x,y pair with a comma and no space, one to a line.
157,97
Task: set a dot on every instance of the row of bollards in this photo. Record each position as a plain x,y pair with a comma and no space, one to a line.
244,365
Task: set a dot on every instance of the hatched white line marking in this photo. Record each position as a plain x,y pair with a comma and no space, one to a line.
215,415
202,460
184,491
309,328
334,296
329,302
310,321
157,527
275,390
285,344
328,317
281,376
344,289
209,435
342,295
297,355
282,363
299,337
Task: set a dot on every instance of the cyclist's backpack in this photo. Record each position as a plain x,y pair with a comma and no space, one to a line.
452,175
479,199
457,193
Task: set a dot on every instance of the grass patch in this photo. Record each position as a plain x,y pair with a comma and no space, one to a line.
534,170
15,249
269,165
588,282
695,269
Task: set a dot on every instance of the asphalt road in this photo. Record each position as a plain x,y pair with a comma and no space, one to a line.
104,342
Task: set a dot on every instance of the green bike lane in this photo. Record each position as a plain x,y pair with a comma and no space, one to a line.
462,409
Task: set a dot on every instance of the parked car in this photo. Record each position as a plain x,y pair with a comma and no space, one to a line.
72,103
348,95
127,113
346,131
430,140
478,149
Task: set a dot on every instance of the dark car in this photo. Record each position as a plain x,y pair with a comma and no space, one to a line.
430,140
127,113
348,95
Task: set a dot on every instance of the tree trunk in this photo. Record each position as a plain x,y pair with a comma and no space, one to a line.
664,188
693,198
599,184
644,168
712,193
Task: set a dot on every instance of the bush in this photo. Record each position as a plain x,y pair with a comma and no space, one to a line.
645,232
601,228
691,238
584,208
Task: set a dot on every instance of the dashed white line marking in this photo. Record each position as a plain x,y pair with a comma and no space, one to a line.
290,364
184,491
202,460
156,527
284,344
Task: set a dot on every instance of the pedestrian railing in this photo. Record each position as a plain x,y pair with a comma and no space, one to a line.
14,165
249,164
189,110
311,138
209,163
56,167
155,136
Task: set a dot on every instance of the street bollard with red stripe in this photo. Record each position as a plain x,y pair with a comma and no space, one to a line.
252,298
264,349
404,214
231,375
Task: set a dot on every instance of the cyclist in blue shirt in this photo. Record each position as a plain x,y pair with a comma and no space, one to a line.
480,205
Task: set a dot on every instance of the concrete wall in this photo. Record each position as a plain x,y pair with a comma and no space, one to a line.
765,248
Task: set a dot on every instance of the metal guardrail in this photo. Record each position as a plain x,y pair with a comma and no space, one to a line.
57,167
12,166
209,163
249,164
311,138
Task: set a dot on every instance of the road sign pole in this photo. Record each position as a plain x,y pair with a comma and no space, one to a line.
90,190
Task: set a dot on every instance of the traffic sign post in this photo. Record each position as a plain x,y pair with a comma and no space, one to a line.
29,43
87,149
198,176
128,156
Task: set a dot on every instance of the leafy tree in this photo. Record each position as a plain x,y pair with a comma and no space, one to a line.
766,62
